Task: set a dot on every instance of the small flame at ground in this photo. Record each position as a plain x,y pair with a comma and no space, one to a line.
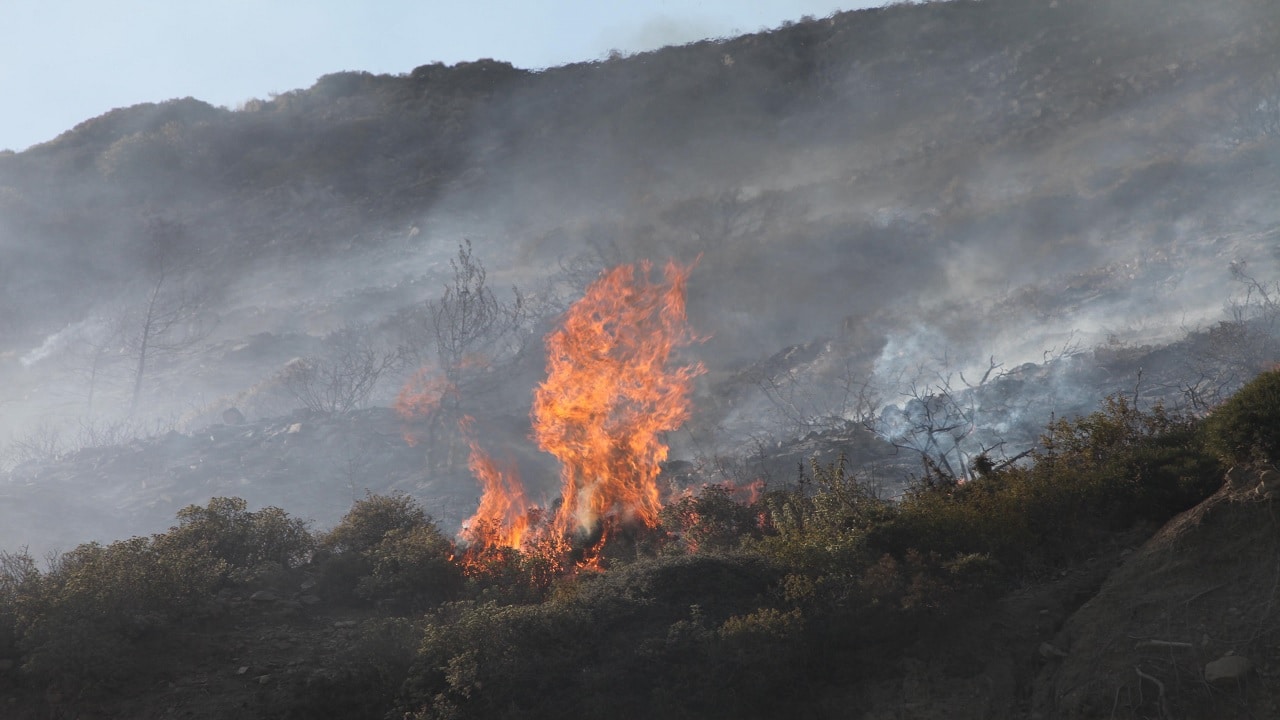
503,516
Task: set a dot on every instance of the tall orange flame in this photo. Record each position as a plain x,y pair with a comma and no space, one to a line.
611,392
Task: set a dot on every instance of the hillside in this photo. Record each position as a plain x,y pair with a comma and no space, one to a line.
920,192
851,368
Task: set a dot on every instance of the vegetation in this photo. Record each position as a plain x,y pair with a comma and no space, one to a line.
792,603
732,607
1246,428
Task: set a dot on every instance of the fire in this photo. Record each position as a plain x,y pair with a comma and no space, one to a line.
610,394
502,519
612,391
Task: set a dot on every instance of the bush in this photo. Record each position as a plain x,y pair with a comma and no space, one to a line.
387,548
225,529
1246,428
18,576
490,661
711,520
78,624
363,685
370,519
1094,475
822,525
412,568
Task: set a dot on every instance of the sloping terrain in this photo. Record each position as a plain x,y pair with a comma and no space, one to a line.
1186,627
922,233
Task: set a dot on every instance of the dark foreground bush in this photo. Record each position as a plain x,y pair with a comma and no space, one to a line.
387,549
1092,476
1246,428
227,530
664,637
102,615
81,625
370,519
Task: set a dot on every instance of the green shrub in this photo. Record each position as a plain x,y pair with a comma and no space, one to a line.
711,520
386,548
1094,475
370,519
1246,428
490,661
79,625
361,685
18,578
225,529
822,525
413,568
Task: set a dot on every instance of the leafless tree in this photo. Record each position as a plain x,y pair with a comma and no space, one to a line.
94,350
469,320
1229,354
817,388
821,395
41,443
169,317
468,330
943,421
345,377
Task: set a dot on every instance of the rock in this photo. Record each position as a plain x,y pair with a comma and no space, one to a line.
308,584
1227,669
345,624
242,669
309,600
1051,652
232,416
294,429
264,596
264,679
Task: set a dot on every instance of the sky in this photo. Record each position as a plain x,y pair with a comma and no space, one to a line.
66,61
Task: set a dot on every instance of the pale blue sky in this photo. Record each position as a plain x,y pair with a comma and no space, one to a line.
65,61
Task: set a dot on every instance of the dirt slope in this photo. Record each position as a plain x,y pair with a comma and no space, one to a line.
1202,589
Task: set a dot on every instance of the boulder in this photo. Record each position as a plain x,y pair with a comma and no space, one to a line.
1229,668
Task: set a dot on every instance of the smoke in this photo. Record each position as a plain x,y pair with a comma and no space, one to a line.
908,196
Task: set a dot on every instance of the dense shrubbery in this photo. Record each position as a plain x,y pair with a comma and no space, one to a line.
745,602
78,626
1093,476
225,529
369,521
388,549
1246,428
721,611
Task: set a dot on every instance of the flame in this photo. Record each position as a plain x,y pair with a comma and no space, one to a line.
502,520
611,392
